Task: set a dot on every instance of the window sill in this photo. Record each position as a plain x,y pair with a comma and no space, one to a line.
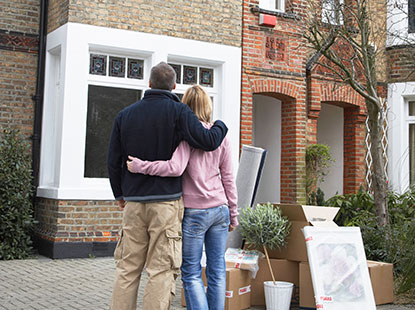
257,9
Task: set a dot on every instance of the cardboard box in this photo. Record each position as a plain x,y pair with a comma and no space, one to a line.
238,289
301,216
307,300
284,270
381,276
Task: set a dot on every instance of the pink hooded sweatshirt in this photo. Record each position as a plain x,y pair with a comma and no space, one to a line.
207,179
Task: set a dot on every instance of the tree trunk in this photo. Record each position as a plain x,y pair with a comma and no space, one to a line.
379,185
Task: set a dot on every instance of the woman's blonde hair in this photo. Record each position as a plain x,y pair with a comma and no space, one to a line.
199,101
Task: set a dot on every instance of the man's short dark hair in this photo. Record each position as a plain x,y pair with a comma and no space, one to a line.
162,76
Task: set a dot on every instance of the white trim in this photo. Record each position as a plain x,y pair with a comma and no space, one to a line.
271,5
398,96
65,112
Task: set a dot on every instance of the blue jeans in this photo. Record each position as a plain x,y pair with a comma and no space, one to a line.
209,227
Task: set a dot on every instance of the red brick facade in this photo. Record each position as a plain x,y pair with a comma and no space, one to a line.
274,64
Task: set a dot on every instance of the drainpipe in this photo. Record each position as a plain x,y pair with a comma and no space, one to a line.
38,97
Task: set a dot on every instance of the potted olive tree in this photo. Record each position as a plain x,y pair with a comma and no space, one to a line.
264,227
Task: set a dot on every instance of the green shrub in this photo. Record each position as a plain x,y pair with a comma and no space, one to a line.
351,205
318,160
395,243
16,212
407,262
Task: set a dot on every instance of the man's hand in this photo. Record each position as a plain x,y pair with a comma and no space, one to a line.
121,204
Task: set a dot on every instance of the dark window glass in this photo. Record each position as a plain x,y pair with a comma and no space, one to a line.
411,16
180,96
411,108
412,154
135,69
98,64
206,77
117,66
178,69
103,105
189,75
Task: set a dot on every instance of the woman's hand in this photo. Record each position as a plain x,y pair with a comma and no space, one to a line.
231,228
133,163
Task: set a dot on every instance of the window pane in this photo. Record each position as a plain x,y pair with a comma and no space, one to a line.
411,108
189,75
178,69
117,66
412,154
98,64
103,105
206,77
135,68
411,16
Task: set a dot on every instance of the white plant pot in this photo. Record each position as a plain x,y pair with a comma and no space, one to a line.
278,296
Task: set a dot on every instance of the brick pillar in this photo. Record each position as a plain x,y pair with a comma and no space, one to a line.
354,150
293,129
246,112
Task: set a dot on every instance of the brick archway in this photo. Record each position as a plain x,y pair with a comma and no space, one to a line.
279,87
293,130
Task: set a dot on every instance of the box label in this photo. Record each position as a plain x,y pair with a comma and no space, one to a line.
244,290
229,294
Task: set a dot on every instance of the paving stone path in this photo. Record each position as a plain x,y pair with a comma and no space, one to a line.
67,284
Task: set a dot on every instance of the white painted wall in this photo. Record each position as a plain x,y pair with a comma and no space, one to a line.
398,165
330,131
65,111
267,135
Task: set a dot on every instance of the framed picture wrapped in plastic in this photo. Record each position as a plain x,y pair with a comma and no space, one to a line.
338,268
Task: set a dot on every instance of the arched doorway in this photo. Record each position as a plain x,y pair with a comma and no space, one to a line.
266,134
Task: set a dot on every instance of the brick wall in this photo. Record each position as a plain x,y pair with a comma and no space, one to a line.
19,24
57,14
216,21
78,221
401,64
20,16
274,64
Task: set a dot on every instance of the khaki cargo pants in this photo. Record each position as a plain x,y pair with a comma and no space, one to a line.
151,235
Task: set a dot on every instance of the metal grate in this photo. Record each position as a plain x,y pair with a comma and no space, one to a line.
384,140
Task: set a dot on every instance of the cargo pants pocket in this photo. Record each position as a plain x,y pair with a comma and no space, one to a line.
174,239
119,248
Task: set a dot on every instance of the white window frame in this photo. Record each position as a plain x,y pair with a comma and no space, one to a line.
399,94
212,91
66,96
398,23
330,14
409,120
272,5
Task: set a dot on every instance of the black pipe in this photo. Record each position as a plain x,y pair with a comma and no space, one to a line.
38,97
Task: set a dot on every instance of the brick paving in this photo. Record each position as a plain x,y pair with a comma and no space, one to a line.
67,284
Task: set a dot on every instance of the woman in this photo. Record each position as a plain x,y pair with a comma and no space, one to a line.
210,200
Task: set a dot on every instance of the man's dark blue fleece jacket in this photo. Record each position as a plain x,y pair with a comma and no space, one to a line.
151,129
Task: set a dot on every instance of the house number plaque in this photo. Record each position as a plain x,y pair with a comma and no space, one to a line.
274,48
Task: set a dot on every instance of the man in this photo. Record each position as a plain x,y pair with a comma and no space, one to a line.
151,129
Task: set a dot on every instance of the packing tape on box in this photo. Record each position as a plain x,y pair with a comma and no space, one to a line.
244,290
243,259
229,294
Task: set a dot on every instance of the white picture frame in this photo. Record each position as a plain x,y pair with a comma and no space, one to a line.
338,268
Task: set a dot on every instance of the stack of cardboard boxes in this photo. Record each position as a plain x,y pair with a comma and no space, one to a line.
291,264
296,253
